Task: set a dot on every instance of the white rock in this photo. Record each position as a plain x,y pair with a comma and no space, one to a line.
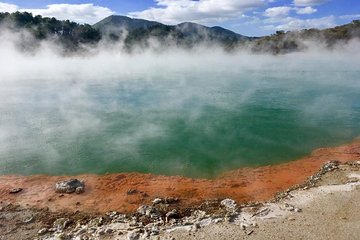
157,201
42,231
229,204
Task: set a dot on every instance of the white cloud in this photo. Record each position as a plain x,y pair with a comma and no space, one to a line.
306,10
6,7
175,11
309,2
277,12
281,12
351,16
82,13
291,23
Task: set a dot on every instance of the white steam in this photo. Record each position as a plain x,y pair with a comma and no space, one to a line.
50,103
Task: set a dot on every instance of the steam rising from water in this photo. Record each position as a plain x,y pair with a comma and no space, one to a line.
176,112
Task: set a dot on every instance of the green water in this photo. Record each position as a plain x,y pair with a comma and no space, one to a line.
191,123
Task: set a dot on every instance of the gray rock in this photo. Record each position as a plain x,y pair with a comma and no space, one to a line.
229,204
70,186
61,223
42,231
157,201
205,222
290,208
287,207
15,190
172,215
167,200
96,222
148,211
218,220
330,166
199,214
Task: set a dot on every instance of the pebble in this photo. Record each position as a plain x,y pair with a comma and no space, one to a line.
157,201
61,223
42,231
131,192
249,232
15,190
217,220
172,215
29,220
199,214
148,211
229,204
297,210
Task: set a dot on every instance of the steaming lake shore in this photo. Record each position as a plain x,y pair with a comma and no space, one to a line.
331,197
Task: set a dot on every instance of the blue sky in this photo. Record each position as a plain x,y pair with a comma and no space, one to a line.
248,17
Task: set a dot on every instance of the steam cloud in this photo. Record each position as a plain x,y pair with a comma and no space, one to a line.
171,112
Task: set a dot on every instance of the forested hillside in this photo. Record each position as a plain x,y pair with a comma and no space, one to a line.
139,33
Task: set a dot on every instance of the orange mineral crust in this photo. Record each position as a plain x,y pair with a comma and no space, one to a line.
125,192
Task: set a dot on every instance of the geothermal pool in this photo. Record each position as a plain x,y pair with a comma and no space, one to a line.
191,116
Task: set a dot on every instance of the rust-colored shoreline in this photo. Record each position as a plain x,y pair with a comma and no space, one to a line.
110,192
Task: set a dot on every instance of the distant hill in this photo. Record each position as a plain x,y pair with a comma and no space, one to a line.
115,23
194,30
284,42
139,33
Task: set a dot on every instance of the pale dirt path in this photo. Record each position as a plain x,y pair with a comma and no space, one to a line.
328,212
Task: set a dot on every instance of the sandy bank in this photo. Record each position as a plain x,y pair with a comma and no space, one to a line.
330,210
